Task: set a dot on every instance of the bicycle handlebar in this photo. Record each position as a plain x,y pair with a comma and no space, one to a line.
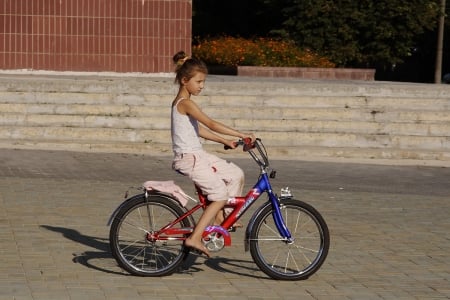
261,159
247,143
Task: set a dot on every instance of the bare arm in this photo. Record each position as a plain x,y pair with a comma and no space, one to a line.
190,108
210,135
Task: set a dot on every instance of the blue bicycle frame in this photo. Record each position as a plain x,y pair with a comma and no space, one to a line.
263,185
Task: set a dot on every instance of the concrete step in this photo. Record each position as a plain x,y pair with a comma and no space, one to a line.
84,121
85,110
256,101
350,126
271,138
162,122
381,115
331,114
218,85
314,153
343,102
297,119
76,97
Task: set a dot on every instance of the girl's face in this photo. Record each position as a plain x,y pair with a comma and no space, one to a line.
196,84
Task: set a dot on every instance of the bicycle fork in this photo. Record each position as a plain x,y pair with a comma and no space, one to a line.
263,184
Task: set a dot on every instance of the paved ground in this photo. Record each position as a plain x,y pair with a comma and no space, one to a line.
389,231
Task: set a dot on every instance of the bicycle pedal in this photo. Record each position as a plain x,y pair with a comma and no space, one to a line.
232,229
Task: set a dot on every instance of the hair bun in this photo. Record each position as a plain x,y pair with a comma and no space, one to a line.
180,57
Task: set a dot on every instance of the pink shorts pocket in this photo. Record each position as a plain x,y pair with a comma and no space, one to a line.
184,164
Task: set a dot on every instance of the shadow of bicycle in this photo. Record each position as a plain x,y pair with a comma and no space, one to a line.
99,259
102,260
239,267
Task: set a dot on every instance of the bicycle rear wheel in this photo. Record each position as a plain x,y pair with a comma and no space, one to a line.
295,260
129,232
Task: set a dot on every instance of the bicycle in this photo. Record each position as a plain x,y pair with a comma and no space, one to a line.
288,239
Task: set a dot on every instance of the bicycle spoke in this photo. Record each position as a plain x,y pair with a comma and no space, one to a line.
271,229
137,248
135,226
288,259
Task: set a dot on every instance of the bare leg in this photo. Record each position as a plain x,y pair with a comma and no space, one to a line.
195,239
220,216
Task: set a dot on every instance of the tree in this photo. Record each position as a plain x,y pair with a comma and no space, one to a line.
359,33
397,37
238,18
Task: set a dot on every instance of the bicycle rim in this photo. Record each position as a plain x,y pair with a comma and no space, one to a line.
290,260
131,247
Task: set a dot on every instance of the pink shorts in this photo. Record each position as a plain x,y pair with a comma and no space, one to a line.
219,179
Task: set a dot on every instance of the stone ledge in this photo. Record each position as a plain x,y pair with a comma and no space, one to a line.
308,73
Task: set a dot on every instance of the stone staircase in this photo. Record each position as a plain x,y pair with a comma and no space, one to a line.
375,122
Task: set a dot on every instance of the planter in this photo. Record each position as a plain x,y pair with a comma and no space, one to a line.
222,70
308,73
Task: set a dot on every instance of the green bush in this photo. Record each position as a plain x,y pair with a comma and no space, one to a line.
232,52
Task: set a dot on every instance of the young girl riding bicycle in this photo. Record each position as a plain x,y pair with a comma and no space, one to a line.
217,178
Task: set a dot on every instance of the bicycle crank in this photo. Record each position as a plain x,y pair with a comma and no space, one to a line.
215,238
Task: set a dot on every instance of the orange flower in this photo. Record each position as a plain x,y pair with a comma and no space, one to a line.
231,51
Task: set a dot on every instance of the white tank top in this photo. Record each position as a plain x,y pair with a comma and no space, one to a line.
185,136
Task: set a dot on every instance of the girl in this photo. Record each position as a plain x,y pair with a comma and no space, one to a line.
217,178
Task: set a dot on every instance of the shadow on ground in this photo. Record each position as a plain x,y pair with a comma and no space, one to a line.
102,260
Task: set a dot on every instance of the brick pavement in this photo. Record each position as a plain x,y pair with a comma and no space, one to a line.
389,230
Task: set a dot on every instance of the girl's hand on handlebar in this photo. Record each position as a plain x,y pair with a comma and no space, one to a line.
248,142
249,136
230,144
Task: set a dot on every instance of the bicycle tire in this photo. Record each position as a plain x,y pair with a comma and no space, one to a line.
128,236
296,260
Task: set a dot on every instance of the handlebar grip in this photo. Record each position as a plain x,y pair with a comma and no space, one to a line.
225,147
247,143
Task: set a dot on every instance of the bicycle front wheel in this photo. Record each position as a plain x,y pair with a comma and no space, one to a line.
129,236
290,260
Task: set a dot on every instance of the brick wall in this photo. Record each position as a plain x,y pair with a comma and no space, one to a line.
93,35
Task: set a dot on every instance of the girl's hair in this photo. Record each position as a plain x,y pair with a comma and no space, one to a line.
187,67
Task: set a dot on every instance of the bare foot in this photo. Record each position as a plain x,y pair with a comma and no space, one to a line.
196,246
